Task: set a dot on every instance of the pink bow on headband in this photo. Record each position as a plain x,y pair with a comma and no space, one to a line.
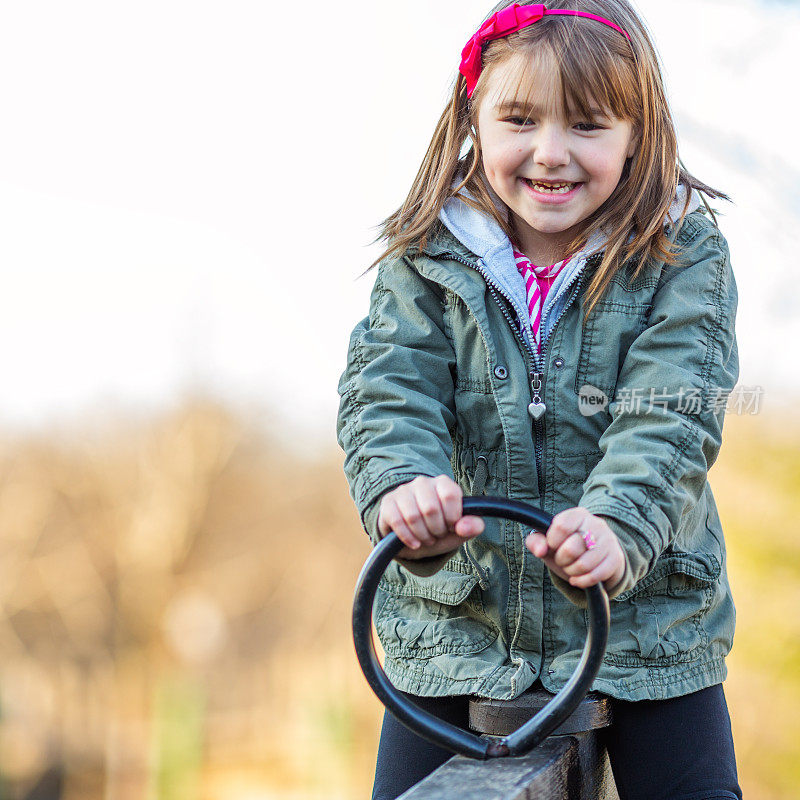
506,21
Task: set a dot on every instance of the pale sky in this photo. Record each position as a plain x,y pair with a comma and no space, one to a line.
189,188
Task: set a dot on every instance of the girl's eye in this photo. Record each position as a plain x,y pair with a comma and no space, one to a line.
585,127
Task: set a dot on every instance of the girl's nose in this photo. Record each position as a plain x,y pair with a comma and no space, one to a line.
550,148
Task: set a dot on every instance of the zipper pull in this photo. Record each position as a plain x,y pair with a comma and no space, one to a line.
537,408
536,386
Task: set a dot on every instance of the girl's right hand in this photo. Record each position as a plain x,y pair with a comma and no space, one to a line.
426,515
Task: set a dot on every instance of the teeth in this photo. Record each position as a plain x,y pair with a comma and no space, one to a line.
557,188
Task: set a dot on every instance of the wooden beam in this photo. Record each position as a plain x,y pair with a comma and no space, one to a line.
571,767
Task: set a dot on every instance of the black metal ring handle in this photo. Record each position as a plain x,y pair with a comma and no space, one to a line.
443,733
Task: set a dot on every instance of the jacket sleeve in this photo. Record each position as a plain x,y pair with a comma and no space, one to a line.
397,406
656,455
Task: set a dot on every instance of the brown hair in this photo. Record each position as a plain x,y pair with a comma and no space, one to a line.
594,62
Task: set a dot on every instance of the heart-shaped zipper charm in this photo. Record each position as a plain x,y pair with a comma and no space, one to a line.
536,410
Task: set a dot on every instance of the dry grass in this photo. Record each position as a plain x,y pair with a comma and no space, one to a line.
176,598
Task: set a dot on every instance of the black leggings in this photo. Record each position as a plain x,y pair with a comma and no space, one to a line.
679,749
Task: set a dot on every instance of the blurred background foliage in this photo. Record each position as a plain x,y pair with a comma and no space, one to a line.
176,596
175,589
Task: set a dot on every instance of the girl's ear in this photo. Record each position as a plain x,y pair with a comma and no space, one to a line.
636,135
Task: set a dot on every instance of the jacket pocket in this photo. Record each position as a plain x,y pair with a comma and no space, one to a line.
606,339
660,621
426,617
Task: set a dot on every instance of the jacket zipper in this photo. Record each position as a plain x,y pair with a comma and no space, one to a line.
538,425
536,369
534,373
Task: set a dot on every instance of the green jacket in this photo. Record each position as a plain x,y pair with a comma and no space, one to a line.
437,382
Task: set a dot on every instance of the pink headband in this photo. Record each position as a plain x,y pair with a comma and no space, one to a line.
505,22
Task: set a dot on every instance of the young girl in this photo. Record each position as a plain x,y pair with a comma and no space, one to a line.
552,321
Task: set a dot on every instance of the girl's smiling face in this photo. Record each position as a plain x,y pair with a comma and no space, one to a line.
530,143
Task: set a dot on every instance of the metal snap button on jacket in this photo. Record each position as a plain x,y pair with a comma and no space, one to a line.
501,372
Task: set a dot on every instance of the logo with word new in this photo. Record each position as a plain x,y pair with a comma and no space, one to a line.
591,400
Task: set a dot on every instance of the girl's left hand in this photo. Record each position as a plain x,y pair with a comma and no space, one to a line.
564,550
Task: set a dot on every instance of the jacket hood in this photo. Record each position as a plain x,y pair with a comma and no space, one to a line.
485,238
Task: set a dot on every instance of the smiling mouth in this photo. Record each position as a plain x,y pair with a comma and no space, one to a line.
548,187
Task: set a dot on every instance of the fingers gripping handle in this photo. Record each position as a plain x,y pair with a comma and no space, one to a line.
443,733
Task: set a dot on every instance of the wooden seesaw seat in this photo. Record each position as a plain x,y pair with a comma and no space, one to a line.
571,764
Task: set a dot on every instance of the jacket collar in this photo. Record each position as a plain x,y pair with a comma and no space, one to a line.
479,235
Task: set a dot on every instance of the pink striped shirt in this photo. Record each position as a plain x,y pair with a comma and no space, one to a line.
538,281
